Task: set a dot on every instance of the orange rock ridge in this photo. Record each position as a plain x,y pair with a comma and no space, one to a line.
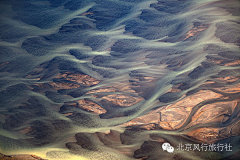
213,134
122,100
216,112
173,117
3,64
63,85
228,79
91,106
195,31
236,62
87,105
85,80
74,80
229,89
102,90
19,157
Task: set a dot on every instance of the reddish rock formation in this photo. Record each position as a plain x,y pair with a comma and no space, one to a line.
83,79
144,120
123,100
236,62
91,106
229,89
74,80
19,157
3,64
87,105
213,134
195,30
86,13
26,130
102,90
173,117
125,88
228,79
63,85
175,88
216,112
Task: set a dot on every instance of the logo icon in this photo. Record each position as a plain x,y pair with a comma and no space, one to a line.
167,147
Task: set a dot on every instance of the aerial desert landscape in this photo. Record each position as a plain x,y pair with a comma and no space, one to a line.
119,80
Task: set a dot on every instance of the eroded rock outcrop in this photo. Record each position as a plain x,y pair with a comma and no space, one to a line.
85,104
19,157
